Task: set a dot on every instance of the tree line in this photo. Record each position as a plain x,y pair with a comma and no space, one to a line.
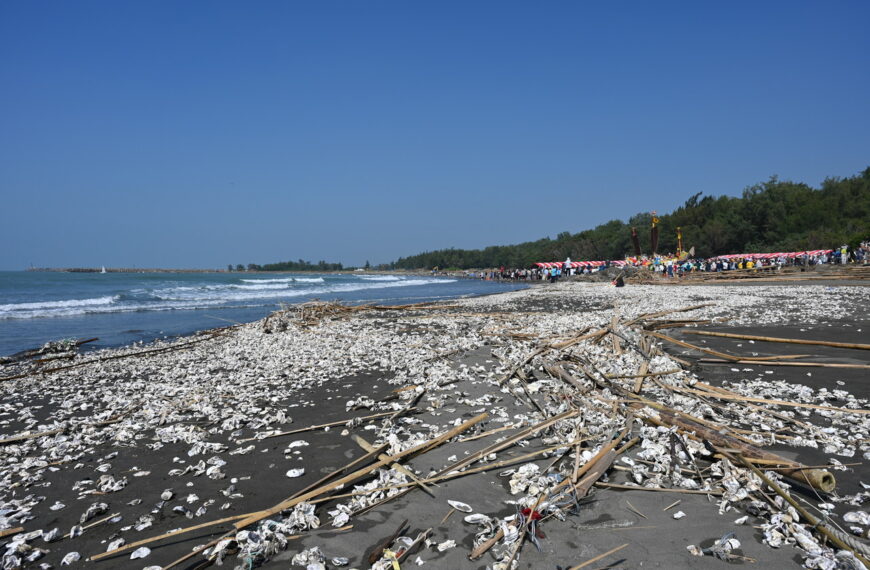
768,217
300,265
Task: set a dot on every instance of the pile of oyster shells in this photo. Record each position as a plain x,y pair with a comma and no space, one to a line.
225,395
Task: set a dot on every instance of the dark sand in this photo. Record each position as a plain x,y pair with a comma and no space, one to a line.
605,520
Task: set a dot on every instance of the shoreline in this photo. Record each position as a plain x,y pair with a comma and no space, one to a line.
206,393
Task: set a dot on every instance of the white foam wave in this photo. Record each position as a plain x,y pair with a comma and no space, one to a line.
379,278
41,305
285,280
263,286
191,298
308,279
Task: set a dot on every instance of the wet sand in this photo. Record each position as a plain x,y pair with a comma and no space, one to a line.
205,401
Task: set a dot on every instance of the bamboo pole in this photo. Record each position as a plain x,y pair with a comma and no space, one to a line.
646,316
726,356
783,340
715,492
10,531
804,364
320,426
599,557
247,519
740,398
397,466
423,447
819,479
138,543
816,523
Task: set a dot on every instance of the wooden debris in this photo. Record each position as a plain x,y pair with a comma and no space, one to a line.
819,479
599,557
378,550
803,364
320,426
10,531
397,466
783,340
672,505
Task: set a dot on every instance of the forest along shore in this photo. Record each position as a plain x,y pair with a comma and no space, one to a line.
569,425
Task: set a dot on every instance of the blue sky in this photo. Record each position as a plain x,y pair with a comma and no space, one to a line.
197,134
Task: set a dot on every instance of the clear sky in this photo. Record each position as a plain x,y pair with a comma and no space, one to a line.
197,134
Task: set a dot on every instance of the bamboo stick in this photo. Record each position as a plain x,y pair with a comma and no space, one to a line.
508,442
740,398
423,447
27,436
247,519
490,432
726,356
715,492
805,364
320,426
816,523
10,531
452,474
397,466
599,557
816,478
138,543
783,340
646,316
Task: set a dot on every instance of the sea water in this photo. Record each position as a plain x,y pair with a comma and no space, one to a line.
122,308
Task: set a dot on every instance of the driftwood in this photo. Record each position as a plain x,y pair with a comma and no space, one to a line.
369,455
25,437
647,316
211,334
319,426
783,340
812,520
378,550
397,466
422,448
10,531
819,479
60,347
247,519
726,356
599,557
803,364
741,398
715,492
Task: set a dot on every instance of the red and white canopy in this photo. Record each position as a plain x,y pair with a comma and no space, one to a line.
575,264
789,254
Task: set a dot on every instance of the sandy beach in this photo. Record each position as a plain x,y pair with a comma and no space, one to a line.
234,426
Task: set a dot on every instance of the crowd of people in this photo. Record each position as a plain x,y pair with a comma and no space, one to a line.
676,266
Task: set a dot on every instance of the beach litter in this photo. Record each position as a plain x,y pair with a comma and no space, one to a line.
582,402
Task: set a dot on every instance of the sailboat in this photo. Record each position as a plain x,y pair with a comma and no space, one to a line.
103,270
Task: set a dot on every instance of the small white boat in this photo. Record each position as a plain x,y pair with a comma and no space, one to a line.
103,270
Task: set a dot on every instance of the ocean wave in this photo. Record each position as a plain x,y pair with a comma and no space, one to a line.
379,278
202,297
284,280
262,286
12,307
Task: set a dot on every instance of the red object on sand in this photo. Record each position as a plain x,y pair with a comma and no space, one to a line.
536,516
